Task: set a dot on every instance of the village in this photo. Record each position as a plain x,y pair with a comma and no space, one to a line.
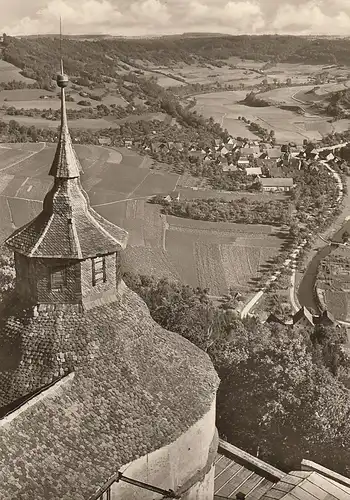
269,164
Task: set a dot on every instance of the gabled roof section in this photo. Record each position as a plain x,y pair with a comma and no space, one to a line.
236,471
303,313
307,486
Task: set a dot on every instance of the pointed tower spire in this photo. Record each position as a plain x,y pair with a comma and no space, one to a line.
67,228
65,164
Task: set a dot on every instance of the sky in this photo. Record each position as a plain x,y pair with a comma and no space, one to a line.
154,17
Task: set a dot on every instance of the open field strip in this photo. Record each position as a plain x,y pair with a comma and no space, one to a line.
9,72
22,159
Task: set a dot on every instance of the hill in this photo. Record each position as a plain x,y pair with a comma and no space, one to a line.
339,103
39,57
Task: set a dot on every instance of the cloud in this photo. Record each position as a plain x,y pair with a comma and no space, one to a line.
234,16
311,18
140,17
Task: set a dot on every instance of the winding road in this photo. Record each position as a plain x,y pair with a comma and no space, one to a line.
305,296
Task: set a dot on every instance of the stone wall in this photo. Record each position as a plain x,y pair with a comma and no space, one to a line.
185,465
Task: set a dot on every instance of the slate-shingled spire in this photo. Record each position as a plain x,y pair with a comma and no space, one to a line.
67,227
65,164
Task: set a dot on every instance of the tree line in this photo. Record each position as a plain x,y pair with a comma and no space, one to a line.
39,57
240,211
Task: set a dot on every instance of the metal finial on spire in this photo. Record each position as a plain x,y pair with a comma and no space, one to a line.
62,79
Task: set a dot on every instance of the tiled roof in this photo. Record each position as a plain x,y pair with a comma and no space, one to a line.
274,152
303,313
136,388
304,485
67,227
238,472
277,181
253,171
65,164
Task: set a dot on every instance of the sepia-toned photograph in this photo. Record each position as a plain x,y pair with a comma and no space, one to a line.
175,250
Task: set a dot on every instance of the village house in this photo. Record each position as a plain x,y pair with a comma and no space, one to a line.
263,156
251,171
173,196
326,155
274,153
303,317
276,184
253,152
230,167
272,318
224,151
243,161
313,155
104,141
326,319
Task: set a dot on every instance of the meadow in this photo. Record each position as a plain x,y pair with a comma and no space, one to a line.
119,182
83,123
288,125
9,72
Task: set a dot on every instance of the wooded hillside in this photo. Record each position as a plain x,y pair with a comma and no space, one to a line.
39,57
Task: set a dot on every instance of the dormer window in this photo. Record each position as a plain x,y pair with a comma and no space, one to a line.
58,278
98,270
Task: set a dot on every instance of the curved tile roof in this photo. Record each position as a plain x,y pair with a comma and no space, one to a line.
137,387
67,227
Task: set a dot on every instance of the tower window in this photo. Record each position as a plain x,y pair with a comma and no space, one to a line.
58,278
98,270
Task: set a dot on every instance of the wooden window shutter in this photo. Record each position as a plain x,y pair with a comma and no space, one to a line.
99,274
58,278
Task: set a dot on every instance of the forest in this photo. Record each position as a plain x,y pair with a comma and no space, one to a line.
39,57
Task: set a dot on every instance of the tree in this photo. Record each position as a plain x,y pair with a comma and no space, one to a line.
345,236
7,273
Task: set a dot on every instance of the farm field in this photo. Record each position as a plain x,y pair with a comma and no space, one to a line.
285,95
30,98
219,255
207,73
9,72
213,255
83,123
287,125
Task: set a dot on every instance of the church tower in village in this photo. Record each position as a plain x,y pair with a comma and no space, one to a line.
91,388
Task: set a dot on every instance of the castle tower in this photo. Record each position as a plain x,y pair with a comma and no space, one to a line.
90,385
68,254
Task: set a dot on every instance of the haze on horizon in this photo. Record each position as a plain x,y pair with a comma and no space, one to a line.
154,17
